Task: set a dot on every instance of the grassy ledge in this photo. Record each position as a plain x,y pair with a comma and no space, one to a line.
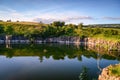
114,70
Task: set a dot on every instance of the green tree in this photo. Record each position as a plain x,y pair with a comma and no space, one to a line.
9,30
97,30
9,21
80,25
1,20
1,29
58,23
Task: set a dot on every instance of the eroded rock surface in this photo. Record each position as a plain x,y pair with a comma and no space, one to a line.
105,75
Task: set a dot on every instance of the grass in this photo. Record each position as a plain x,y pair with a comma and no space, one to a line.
23,22
112,38
107,36
114,70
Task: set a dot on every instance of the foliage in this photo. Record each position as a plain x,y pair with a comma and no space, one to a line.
58,23
114,70
8,20
1,29
9,30
1,20
56,29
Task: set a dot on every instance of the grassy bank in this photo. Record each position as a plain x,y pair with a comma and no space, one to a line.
34,30
112,38
109,34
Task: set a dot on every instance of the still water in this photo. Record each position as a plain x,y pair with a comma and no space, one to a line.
51,62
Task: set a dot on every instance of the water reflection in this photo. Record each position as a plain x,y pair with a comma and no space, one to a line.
83,75
52,61
99,57
57,51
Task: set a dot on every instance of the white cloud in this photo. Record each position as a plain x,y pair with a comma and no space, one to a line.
64,16
46,17
66,19
112,18
8,13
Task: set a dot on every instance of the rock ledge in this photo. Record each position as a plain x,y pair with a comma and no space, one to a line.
105,75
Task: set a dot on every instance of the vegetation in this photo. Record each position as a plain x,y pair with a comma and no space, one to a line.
114,70
57,51
32,30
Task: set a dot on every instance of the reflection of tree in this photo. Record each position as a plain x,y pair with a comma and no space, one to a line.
47,56
83,75
99,56
79,58
56,51
41,58
71,56
58,56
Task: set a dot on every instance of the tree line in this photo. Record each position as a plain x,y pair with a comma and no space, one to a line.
55,29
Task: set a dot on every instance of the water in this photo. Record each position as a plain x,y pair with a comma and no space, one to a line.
51,62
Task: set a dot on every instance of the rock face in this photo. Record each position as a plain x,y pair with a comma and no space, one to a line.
90,42
104,46
105,75
101,43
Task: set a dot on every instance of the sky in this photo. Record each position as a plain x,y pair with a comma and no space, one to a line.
69,11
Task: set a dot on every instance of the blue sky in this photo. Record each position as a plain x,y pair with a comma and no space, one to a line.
70,11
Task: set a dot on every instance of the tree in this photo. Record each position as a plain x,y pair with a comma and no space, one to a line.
1,20
69,30
58,23
97,30
1,29
9,21
9,30
17,21
80,25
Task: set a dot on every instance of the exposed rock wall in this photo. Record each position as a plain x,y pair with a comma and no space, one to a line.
105,75
90,42
106,44
62,39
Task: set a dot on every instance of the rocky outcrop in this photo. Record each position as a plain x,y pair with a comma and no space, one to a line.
105,75
8,38
106,44
62,39
90,42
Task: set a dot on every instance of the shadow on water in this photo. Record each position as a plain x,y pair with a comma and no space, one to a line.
80,55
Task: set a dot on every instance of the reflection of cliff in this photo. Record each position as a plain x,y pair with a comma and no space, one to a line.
98,61
106,44
104,52
51,50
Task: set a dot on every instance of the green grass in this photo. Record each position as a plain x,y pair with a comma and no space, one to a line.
23,22
114,70
112,38
109,35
